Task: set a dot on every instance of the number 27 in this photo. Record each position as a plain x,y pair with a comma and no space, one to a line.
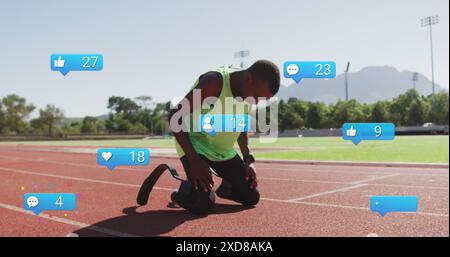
86,61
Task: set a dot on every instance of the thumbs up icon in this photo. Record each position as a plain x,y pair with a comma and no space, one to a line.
351,132
59,63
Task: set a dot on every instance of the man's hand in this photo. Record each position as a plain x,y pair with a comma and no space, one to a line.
250,175
201,174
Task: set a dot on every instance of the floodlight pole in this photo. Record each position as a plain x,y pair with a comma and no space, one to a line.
414,79
346,81
430,21
242,54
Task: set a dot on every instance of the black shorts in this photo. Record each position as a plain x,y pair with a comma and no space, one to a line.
233,171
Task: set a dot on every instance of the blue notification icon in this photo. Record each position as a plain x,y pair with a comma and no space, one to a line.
309,70
38,202
385,204
237,123
65,63
210,124
112,157
356,132
213,123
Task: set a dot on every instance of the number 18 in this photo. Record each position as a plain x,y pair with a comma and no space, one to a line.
140,156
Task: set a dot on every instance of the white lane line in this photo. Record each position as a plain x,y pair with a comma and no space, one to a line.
79,179
261,178
131,169
65,163
171,189
408,186
304,180
334,205
355,182
68,221
299,170
342,189
365,208
294,201
327,205
374,179
259,167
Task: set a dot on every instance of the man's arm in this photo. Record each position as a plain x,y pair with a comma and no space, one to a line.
243,143
250,173
210,85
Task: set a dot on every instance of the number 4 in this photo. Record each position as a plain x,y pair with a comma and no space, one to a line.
242,123
59,201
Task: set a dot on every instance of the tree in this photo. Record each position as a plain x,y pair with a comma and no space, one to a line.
400,105
145,101
101,127
72,128
440,113
2,119
160,116
379,113
123,105
49,117
417,113
15,113
89,125
145,114
162,125
124,116
349,111
300,107
293,121
314,115
118,123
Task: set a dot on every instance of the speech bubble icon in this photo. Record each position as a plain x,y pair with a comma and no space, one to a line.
309,70
38,202
385,204
32,201
292,69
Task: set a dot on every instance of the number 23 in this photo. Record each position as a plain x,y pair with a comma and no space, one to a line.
323,69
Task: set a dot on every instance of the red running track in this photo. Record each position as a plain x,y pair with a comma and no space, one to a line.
297,200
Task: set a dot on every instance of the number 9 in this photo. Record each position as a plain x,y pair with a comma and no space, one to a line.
378,131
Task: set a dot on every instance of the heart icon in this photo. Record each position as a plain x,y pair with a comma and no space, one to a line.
106,155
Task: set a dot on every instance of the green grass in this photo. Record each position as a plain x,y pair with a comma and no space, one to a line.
428,149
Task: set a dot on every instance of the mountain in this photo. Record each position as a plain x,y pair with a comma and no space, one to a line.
368,85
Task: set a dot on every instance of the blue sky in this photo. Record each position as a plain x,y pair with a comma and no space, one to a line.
158,48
